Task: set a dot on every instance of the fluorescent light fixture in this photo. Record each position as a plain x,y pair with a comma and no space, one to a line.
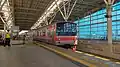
2,30
23,31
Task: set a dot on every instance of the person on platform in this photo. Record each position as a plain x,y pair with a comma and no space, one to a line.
7,39
24,36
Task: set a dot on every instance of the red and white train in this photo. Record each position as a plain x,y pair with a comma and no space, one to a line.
60,33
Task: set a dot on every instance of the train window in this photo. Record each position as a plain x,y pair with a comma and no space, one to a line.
49,33
43,33
66,29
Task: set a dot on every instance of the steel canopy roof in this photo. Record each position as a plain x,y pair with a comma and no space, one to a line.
27,12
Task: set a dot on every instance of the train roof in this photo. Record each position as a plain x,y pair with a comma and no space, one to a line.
54,23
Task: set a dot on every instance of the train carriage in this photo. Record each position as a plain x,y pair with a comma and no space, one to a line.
61,33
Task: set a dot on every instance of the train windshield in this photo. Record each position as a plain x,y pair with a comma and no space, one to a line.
66,29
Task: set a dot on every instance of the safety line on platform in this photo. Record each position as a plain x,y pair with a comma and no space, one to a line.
102,58
94,56
68,56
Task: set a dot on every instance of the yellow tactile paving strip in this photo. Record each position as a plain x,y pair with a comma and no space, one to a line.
93,64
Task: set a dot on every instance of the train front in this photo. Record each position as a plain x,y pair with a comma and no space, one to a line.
66,33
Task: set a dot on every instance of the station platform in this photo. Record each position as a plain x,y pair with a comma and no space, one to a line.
32,56
43,55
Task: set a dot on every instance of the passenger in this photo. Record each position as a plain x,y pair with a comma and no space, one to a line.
24,39
7,39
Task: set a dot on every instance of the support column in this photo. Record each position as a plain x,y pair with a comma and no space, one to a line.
5,25
90,27
109,22
4,30
109,4
13,11
78,29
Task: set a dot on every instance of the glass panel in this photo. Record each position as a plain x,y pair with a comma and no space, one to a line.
114,27
118,12
118,7
100,16
105,19
118,27
114,8
99,24
94,21
118,22
104,10
94,17
114,17
118,17
113,23
94,14
114,13
100,20
116,4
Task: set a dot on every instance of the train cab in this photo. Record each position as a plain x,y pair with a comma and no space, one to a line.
66,33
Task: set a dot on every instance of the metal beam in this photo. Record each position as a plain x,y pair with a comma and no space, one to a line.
24,24
68,9
60,10
65,11
21,25
84,4
26,13
24,28
2,5
4,21
48,10
1,24
9,17
52,18
21,18
72,9
23,8
0,1
13,13
28,23
81,6
25,20
31,2
2,27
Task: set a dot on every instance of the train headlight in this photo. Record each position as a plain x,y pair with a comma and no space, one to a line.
58,39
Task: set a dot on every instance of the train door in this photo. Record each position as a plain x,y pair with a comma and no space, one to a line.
53,34
50,34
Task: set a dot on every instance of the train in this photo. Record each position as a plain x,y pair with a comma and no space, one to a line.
59,33
65,34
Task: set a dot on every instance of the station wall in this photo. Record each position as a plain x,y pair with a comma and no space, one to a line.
94,26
